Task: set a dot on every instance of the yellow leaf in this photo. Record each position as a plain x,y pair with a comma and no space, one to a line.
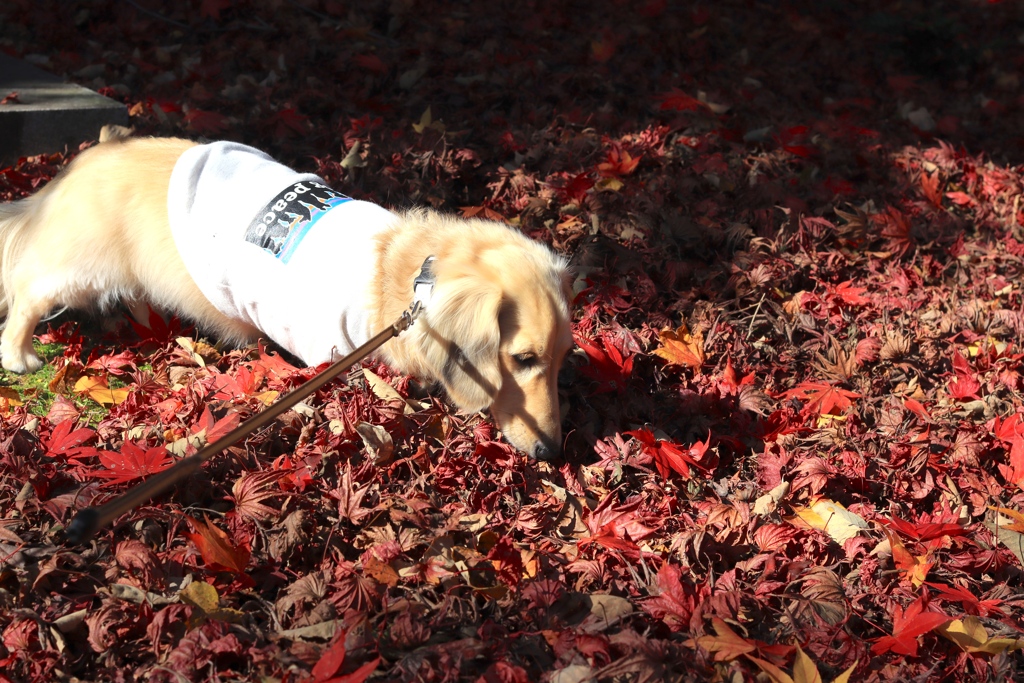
845,676
96,388
679,347
191,347
531,564
914,568
977,347
830,517
775,673
610,184
804,670
791,306
828,420
268,397
727,644
424,122
202,595
1018,524
11,396
919,572
969,634
1007,528
427,121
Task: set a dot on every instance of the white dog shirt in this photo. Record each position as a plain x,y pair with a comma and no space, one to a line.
277,249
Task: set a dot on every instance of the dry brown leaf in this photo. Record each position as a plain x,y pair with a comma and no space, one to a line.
379,445
767,503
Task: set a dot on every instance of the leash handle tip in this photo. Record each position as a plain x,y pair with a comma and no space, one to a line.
82,526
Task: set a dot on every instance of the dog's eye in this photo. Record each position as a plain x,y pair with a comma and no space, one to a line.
524,360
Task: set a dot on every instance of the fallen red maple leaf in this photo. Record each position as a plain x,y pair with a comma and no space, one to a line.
676,601
251,489
159,330
907,626
964,385
115,364
1012,430
918,409
618,163
924,531
895,229
677,100
331,660
298,476
622,518
726,645
968,600
607,537
574,188
507,561
668,457
850,294
732,381
821,398
216,547
215,429
66,441
914,568
132,462
273,364
62,410
608,365
793,140
930,189
961,199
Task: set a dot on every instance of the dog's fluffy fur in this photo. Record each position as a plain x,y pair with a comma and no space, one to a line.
494,335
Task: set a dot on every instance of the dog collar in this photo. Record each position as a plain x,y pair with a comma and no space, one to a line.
423,285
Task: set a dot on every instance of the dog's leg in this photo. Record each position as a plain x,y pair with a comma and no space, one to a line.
16,342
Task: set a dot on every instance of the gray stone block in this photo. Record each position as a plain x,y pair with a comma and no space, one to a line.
49,114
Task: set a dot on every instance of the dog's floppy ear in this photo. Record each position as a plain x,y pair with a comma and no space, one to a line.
463,339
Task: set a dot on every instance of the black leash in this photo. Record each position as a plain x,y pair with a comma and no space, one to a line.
87,521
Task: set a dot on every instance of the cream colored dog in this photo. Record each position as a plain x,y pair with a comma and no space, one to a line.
493,334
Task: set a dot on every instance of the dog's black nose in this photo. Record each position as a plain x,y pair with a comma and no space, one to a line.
545,451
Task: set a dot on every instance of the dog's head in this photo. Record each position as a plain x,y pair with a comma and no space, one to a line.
496,331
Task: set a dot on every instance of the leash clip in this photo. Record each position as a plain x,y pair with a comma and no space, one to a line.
409,316
423,285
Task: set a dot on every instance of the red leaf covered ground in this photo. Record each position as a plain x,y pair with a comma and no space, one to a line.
795,416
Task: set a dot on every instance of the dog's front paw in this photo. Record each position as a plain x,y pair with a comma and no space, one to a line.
21,363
